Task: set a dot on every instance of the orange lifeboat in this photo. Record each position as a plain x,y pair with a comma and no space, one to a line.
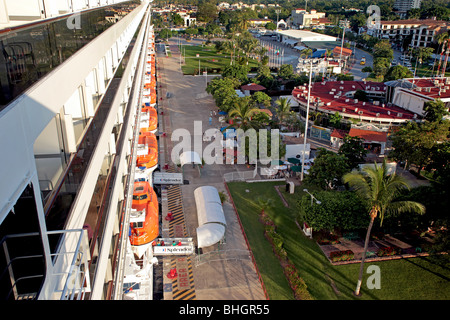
144,218
149,119
151,96
148,138
142,195
151,84
147,156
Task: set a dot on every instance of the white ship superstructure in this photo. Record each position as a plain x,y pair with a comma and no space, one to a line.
71,91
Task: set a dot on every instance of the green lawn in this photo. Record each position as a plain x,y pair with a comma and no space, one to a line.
209,58
405,279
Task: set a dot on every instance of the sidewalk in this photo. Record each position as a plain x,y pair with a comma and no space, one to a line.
227,279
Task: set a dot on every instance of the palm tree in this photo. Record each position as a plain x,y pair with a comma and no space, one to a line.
379,189
242,112
284,108
307,52
265,204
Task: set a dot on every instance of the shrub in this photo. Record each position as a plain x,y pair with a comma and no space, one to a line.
297,284
344,255
328,239
387,251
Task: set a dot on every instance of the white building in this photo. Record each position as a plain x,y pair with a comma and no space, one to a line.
66,118
303,19
295,37
406,5
422,31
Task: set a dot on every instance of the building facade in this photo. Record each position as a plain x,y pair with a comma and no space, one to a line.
421,32
302,19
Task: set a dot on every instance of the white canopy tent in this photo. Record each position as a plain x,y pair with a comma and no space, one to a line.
211,218
188,157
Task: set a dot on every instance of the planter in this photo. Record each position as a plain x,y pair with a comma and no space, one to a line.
344,255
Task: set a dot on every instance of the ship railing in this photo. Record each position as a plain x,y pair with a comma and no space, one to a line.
67,273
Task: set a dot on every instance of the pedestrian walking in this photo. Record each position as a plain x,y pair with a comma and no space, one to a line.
210,120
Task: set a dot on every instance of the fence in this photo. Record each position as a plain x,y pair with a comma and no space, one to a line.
222,255
239,176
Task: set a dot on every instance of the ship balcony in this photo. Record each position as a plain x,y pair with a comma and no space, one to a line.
67,278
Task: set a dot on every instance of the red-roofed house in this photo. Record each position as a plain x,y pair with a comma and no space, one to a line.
374,141
337,137
250,88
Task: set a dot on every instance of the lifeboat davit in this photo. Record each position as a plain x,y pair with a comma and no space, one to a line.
144,218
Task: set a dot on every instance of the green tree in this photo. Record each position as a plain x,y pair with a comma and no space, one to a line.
398,72
381,66
413,142
177,20
353,150
236,71
223,92
261,98
207,11
335,120
283,108
242,113
435,110
327,170
165,34
379,191
383,49
382,57
337,210
270,26
422,53
265,204
286,71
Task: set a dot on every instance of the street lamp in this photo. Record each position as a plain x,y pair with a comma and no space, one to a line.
312,197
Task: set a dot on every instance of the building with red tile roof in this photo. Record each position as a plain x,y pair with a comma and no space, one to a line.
338,96
345,52
368,135
412,93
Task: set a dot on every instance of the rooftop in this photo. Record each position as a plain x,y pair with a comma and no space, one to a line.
337,96
253,87
302,35
435,88
345,51
368,135
429,22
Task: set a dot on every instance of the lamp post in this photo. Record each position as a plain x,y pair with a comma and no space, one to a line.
307,115
312,197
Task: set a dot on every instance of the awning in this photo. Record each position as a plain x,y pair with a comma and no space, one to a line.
209,234
190,157
293,160
210,215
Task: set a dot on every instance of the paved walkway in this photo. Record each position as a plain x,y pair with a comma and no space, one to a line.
234,276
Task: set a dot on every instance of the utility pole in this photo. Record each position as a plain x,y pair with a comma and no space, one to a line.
307,116
342,44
